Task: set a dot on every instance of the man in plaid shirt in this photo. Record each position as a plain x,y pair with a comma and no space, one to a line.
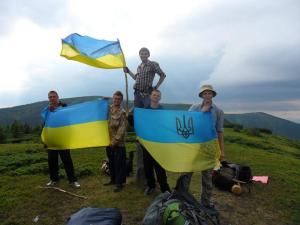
144,79
142,89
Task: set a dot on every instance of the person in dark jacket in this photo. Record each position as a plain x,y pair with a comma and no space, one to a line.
65,155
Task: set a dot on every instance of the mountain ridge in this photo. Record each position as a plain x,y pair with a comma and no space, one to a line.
30,114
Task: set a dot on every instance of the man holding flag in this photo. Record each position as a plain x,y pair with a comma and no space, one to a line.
207,93
65,155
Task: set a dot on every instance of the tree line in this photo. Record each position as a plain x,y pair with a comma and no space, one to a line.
17,130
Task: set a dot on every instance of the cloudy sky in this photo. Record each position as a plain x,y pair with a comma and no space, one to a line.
248,50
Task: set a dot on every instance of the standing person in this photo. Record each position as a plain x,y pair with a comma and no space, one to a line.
65,155
207,93
116,152
150,164
142,89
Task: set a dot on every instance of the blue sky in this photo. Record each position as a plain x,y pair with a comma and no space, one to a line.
248,50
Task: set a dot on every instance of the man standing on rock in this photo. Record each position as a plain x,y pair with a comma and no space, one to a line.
142,89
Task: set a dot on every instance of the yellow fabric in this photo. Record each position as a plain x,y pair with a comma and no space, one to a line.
107,62
184,157
84,135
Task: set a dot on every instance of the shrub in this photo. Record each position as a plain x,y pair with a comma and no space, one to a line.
84,171
237,127
253,132
265,130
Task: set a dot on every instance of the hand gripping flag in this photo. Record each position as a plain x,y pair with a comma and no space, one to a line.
99,53
77,126
180,141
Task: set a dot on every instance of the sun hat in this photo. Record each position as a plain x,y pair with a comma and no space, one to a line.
207,87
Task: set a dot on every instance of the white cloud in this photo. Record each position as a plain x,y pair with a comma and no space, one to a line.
241,47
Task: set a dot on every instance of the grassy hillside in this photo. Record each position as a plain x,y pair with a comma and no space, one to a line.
23,168
262,120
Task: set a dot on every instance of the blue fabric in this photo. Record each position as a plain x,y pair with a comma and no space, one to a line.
76,114
92,47
96,216
217,115
162,125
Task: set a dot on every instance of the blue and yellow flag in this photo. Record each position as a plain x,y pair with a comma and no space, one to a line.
99,53
181,141
77,126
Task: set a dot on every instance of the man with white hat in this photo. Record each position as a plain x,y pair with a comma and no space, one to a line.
207,93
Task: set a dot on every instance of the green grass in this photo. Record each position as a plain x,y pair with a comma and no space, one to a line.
23,168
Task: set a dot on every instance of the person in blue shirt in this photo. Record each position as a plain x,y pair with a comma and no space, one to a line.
207,93
150,164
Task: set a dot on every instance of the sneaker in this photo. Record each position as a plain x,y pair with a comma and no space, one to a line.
149,191
51,183
109,183
75,184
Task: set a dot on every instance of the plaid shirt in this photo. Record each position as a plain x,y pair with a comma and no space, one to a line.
145,75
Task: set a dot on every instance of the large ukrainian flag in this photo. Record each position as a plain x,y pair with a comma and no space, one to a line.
181,141
77,126
98,53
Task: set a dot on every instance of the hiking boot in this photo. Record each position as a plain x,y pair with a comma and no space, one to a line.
109,183
51,183
118,188
149,191
75,184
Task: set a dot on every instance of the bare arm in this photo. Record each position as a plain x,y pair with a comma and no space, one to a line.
161,79
127,70
161,74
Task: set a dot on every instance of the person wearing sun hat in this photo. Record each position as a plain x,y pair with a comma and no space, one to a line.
207,93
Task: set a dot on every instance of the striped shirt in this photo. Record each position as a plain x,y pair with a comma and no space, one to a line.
145,75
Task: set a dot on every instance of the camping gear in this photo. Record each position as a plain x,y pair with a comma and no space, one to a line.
179,208
262,179
96,216
231,177
129,164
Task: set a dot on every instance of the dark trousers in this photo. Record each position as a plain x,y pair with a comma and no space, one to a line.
66,159
117,164
149,166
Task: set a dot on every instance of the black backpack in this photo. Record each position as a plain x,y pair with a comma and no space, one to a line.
231,174
179,208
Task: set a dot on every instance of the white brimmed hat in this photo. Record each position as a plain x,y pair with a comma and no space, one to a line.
207,87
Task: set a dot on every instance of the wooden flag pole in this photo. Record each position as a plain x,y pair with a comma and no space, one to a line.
126,82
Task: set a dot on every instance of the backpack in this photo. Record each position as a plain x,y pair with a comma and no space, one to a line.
230,176
179,208
129,165
96,216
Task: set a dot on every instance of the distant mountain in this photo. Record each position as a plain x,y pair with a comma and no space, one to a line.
263,120
30,114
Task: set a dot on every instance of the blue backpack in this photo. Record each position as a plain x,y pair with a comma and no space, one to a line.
96,216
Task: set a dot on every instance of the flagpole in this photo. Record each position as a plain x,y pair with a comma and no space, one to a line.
126,81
